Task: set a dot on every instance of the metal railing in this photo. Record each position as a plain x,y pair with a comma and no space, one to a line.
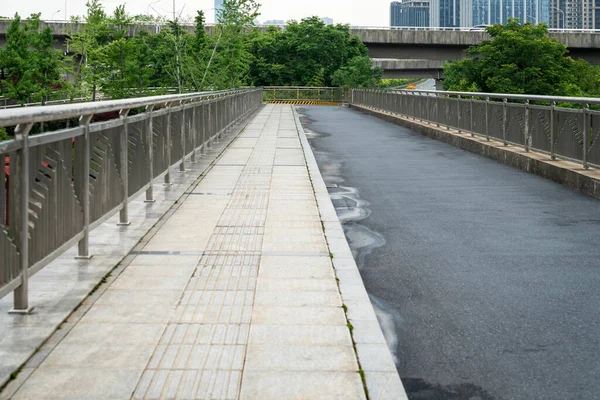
58,186
563,127
461,29
294,94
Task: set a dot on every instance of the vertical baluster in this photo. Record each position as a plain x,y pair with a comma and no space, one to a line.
585,109
168,145
21,294
527,133
182,134
471,117
504,120
458,112
552,130
82,183
487,118
150,153
437,110
193,127
124,139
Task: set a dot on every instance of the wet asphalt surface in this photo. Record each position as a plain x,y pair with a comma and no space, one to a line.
486,279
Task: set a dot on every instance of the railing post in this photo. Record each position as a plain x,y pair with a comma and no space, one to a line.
150,153
82,185
552,129
168,174
586,133
21,294
124,213
487,118
471,117
527,135
437,109
182,133
194,134
447,112
209,121
458,112
504,120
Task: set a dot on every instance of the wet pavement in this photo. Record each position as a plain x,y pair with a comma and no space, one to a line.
485,278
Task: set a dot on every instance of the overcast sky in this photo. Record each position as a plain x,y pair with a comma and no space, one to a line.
354,12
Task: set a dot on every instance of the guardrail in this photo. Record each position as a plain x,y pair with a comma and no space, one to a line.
459,29
303,94
58,186
563,127
402,28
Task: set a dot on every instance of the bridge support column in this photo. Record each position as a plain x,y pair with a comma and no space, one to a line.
439,84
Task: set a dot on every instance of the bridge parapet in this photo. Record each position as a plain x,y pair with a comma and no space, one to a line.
561,127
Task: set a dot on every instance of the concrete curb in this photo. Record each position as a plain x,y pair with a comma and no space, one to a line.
567,173
381,376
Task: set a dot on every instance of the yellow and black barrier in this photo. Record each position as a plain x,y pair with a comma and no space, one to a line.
305,102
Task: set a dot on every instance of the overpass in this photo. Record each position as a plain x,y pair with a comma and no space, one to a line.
421,53
401,52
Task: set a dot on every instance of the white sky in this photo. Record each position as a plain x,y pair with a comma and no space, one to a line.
354,12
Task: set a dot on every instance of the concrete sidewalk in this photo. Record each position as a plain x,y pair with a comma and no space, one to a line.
235,295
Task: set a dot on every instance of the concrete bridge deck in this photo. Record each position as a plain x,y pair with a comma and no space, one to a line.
246,288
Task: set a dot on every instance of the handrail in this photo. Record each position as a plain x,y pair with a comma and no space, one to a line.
508,96
12,117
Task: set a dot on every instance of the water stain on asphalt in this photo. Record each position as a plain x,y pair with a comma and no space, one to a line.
420,389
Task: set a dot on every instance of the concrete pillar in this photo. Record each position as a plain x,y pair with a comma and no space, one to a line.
439,84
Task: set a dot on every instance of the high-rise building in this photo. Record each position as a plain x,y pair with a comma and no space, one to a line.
574,14
395,13
327,20
445,13
467,13
274,22
410,13
218,8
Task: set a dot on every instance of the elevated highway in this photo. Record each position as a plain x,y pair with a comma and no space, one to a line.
400,52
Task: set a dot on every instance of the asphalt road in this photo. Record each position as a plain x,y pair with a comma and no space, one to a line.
486,279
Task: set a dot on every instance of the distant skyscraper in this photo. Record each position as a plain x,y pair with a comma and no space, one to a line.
409,13
218,8
274,22
575,14
467,13
327,20
446,13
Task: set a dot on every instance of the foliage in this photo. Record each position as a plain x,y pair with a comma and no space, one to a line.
394,83
30,68
521,59
4,135
309,52
358,73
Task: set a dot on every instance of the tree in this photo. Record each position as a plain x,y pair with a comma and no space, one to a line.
518,59
30,68
359,73
233,58
306,53
87,46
